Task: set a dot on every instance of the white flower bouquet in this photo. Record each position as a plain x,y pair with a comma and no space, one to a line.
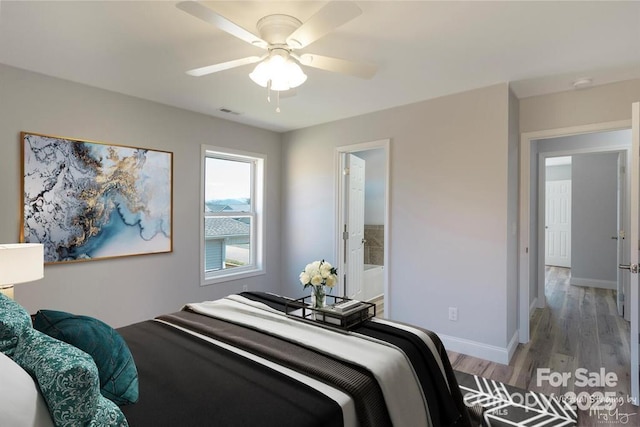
317,275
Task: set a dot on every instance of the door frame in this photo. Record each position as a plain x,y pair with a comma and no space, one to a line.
529,242
385,145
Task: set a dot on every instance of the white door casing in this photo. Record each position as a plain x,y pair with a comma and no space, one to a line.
634,237
558,223
355,225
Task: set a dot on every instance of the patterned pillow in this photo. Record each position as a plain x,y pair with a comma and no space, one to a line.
116,368
13,321
108,414
68,380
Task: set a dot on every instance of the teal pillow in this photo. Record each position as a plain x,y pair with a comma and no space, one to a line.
116,367
14,320
68,380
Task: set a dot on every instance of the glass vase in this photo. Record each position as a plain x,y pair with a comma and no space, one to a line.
318,297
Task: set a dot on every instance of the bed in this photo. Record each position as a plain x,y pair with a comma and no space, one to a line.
241,361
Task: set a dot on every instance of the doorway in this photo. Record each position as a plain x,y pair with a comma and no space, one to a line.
598,161
531,249
535,147
364,225
581,287
600,222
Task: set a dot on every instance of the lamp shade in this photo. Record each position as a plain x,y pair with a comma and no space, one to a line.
283,73
21,262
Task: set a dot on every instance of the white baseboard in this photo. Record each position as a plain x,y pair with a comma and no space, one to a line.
513,345
481,350
376,297
594,283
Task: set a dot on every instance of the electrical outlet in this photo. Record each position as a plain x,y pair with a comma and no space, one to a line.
453,314
245,288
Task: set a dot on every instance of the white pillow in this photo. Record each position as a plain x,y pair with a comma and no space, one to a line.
21,404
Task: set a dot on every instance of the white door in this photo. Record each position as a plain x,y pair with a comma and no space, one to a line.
558,223
355,226
634,249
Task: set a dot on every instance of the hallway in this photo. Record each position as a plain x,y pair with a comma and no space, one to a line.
579,328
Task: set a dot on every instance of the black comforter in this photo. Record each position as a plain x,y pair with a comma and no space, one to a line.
185,381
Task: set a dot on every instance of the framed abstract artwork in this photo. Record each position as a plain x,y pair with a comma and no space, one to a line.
86,200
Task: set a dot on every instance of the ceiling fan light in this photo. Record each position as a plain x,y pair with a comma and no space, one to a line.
288,76
280,85
269,69
295,74
277,64
284,74
260,74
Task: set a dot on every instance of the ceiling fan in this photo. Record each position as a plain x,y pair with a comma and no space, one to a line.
281,36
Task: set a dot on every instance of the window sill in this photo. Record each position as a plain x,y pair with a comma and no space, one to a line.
232,276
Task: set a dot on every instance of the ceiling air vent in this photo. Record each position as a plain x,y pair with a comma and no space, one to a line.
226,110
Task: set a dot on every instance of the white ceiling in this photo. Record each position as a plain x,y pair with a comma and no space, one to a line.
423,49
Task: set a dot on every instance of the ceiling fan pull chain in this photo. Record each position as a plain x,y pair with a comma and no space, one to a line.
277,96
269,91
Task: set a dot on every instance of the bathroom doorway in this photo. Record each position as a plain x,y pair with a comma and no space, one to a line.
363,224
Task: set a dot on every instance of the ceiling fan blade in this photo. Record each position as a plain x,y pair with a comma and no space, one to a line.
209,69
202,12
331,16
356,69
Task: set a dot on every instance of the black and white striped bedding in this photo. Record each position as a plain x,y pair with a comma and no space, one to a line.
247,363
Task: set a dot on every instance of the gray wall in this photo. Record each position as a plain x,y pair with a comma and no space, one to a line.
611,139
594,217
599,104
450,206
125,290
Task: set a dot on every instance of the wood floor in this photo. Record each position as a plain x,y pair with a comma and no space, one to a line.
579,328
379,302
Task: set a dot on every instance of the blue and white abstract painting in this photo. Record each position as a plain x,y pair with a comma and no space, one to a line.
86,200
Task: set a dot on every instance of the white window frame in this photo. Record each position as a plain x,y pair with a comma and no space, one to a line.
258,178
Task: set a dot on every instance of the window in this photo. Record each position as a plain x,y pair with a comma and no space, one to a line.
232,211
